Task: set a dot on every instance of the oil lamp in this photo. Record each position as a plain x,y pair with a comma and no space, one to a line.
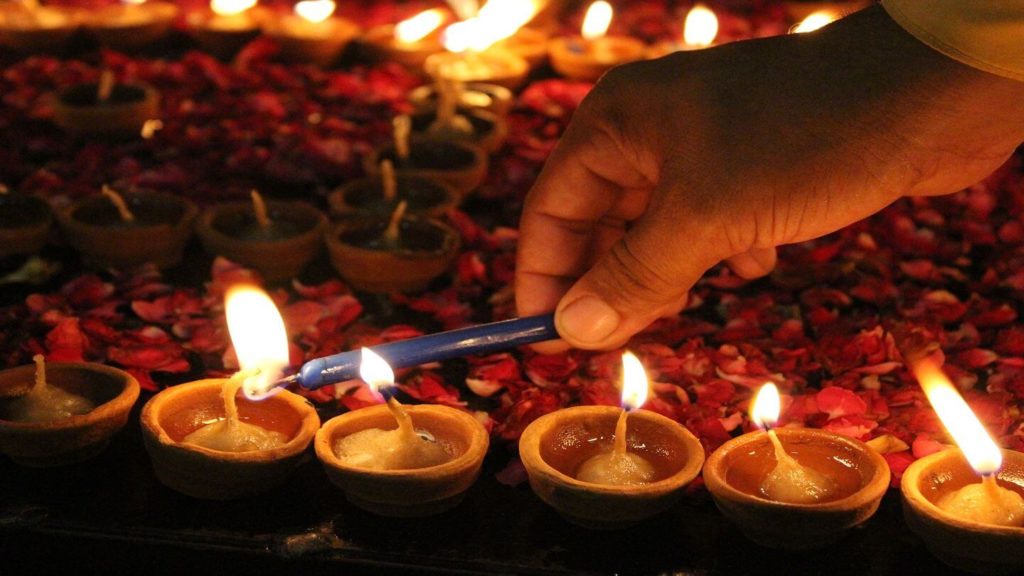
28,27
593,52
25,222
225,26
380,195
106,108
311,33
409,42
131,24
699,31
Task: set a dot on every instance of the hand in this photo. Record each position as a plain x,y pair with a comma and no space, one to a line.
673,165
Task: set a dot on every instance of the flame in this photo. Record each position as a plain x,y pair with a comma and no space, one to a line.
700,27
314,11
815,20
977,445
419,26
258,334
764,412
597,20
634,382
230,7
496,21
133,2
375,371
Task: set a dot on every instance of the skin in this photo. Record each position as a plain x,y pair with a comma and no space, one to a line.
673,165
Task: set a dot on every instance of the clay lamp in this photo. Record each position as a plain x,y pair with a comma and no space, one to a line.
106,108
311,34
794,488
604,467
132,24
967,504
457,165
30,28
380,195
530,44
590,55
276,238
475,95
410,42
65,413
448,122
401,461
25,222
493,66
699,30
207,440
226,26
126,231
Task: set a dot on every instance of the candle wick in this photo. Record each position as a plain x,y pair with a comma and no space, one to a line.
393,232
118,201
402,128
780,452
40,381
229,393
388,181
260,209
105,87
405,427
619,447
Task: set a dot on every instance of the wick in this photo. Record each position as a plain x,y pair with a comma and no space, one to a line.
105,86
388,180
619,448
780,453
118,201
229,391
402,127
391,235
40,381
405,426
448,123
259,207
990,483
447,99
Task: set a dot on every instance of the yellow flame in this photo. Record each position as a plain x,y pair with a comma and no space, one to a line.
230,7
259,336
815,20
764,412
634,382
314,11
133,2
978,447
700,27
419,26
375,371
597,20
496,21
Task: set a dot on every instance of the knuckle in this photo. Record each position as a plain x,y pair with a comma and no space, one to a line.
632,282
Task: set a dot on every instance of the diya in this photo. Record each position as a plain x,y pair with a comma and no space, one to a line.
492,66
603,467
592,53
699,31
25,222
106,108
311,34
276,238
225,26
794,488
59,413
30,28
449,122
131,24
409,42
530,44
474,95
401,461
380,195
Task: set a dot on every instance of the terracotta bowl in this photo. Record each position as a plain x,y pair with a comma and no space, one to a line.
554,446
72,439
429,247
489,129
379,44
222,228
530,44
27,39
460,166
963,544
489,97
365,196
412,492
499,66
220,41
132,35
162,229
75,110
734,472
25,222
580,65
322,50
210,474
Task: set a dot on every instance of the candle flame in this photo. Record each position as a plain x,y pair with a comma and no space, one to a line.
133,2
230,7
700,27
981,451
314,11
764,412
419,26
258,334
496,21
597,20
634,382
815,20
375,371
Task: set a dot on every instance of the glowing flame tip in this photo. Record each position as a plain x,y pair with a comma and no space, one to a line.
700,27
815,20
230,7
375,371
764,412
634,382
596,20
314,11
259,337
419,26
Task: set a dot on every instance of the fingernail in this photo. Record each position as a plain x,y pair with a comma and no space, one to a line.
588,320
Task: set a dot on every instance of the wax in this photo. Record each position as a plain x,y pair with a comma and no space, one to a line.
46,403
793,482
229,434
618,466
403,448
986,502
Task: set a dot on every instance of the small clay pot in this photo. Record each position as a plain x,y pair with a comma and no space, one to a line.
51,32
25,222
530,44
76,438
130,27
735,471
76,110
320,50
493,66
427,249
379,44
573,57
211,33
797,10
554,446
210,474
458,165
411,492
365,196
489,130
475,95
963,544
162,227
294,239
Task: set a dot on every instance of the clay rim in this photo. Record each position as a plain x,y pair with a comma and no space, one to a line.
529,452
425,97
383,38
342,31
873,489
338,200
74,21
371,162
560,46
124,400
475,451
68,218
199,18
449,245
516,67
210,215
150,421
162,12
910,487
150,95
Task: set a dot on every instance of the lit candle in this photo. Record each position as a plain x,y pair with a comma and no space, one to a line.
409,42
594,52
412,31
699,31
814,21
472,56
231,15
310,18
44,402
